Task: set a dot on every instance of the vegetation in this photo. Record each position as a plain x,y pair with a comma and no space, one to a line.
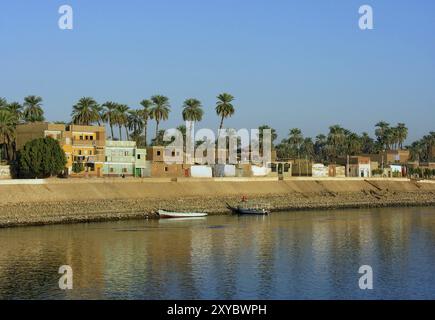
337,142
224,107
40,158
78,167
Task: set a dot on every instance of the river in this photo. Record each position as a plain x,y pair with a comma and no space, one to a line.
288,255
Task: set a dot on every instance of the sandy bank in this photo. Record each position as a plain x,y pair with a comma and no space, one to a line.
61,201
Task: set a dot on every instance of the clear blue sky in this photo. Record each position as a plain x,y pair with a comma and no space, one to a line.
289,63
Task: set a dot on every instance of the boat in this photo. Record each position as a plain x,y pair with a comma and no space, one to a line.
248,210
172,214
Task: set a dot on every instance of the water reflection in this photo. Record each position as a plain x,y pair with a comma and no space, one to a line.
295,255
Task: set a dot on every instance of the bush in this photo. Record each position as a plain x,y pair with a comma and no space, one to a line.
78,167
40,158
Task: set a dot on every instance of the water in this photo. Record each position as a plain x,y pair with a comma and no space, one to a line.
294,255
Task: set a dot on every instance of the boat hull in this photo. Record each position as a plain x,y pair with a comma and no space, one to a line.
167,214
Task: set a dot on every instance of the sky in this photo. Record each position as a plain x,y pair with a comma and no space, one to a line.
303,64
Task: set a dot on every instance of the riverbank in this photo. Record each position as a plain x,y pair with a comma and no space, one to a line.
70,201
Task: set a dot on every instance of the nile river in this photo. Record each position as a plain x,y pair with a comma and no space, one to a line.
292,255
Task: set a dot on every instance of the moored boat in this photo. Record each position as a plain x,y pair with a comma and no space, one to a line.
172,214
248,210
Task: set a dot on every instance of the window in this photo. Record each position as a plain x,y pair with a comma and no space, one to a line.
91,137
80,152
81,137
173,153
166,169
90,152
138,156
86,137
111,169
158,152
124,170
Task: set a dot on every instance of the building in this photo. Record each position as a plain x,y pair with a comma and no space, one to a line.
159,168
83,145
390,157
123,158
356,166
88,149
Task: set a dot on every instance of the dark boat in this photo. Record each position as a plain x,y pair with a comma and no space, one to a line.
245,210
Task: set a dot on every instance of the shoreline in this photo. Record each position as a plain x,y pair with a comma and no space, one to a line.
65,203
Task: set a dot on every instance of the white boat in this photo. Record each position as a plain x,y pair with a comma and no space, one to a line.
170,214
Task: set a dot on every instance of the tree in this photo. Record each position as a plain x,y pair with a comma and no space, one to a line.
224,107
135,122
85,112
33,109
402,134
295,141
160,110
122,119
40,158
273,134
109,115
146,113
7,131
336,140
192,111
320,148
367,143
381,133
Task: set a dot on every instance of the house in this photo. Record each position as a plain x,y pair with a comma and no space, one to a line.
83,145
123,158
158,157
356,166
390,157
120,157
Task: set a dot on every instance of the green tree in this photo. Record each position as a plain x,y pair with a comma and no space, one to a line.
122,119
40,158
33,109
146,114
86,112
295,141
109,115
7,131
135,122
160,110
402,134
224,107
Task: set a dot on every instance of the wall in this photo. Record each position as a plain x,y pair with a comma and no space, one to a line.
5,172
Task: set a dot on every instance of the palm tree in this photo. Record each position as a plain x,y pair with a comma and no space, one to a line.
336,139
295,140
146,113
85,112
224,107
192,111
353,144
7,130
135,120
367,143
109,114
33,109
16,110
122,119
3,103
380,132
160,110
402,134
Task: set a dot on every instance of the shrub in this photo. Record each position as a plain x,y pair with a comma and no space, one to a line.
78,167
40,158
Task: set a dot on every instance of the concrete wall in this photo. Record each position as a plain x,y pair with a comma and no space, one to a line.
5,172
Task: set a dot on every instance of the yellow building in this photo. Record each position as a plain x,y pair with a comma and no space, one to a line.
82,144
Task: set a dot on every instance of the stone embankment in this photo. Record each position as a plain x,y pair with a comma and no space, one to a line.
69,201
